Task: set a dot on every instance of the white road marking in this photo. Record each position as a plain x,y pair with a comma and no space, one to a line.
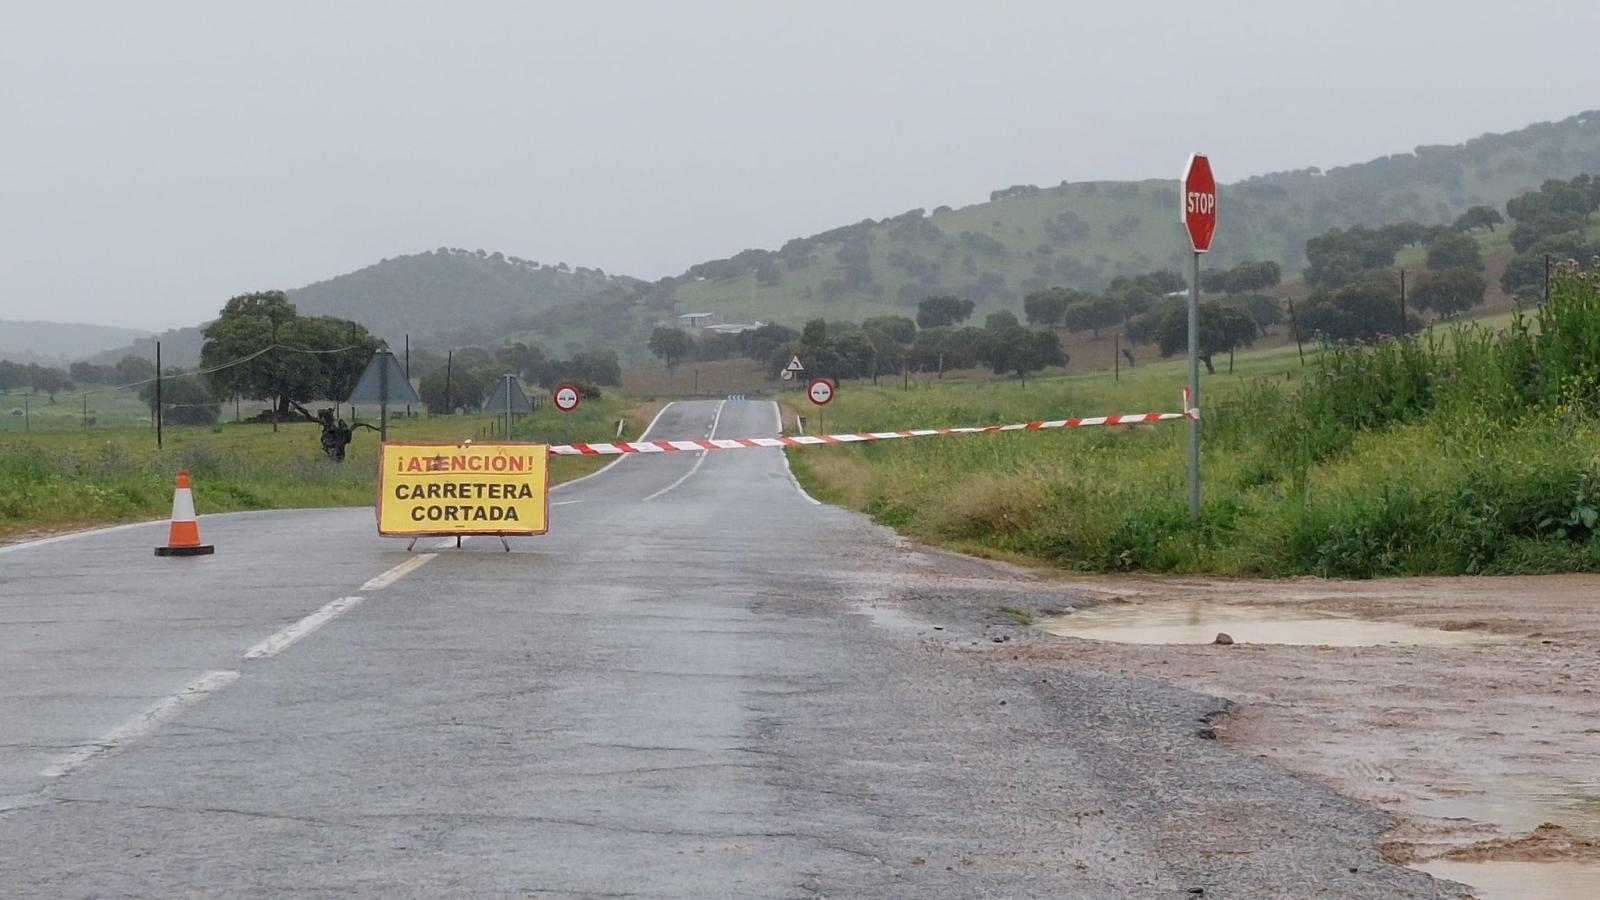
41,542
397,573
565,502
281,640
644,435
142,723
778,413
698,461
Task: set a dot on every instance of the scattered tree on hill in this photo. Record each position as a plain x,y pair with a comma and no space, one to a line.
50,381
185,400
1450,291
1454,250
12,376
89,373
1245,278
1223,329
299,369
1337,256
670,345
938,312
759,343
1092,314
898,328
466,389
1365,309
1263,309
1006,346
1479,217
134,368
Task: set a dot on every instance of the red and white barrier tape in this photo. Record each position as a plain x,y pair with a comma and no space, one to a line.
806,440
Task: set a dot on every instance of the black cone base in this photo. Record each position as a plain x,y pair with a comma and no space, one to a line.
202,550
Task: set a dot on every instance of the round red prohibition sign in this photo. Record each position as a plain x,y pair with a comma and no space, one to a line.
566,397
821,391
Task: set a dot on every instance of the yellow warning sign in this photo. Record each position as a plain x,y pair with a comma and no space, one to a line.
490,488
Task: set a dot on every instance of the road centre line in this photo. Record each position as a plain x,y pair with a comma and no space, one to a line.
281,639
643,435
397,573
142,723
697,463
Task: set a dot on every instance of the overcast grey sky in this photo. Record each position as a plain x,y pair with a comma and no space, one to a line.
158,157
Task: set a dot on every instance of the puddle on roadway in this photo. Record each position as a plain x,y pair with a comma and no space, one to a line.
1521,880
1519,805
1198,622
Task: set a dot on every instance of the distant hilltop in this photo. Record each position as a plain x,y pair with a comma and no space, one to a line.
58,343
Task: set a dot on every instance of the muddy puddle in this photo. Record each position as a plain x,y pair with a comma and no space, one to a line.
1557,859
1519,805
1199,622
1521,880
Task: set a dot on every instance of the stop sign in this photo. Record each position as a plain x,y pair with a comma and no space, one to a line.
1198,206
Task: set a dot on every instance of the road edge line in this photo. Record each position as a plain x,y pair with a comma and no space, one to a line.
778,412
643,435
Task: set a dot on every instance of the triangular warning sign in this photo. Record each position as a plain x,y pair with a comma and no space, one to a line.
497,399
384,375
794,365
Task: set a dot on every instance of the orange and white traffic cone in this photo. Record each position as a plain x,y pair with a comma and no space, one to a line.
183,539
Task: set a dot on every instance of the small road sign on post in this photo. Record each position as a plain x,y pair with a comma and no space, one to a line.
566,397
1197,210
794,365
821,391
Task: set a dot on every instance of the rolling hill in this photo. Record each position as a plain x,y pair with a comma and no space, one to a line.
448,295
53,343
1083,235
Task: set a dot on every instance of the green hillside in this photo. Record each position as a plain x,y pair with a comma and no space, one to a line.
54,342
1083,235
450,291
448,295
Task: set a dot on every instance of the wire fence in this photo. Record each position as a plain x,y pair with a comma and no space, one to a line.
132,404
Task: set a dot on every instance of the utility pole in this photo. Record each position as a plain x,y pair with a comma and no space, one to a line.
277,375
1402,331
1116,357
86,411
27,416
158,395
1294,322
449,407
408,371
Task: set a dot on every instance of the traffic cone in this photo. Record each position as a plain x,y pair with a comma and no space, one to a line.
183,538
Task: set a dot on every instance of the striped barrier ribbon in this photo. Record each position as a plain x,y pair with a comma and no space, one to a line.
612,448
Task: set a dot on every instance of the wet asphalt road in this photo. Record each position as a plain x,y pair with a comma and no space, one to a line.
699,684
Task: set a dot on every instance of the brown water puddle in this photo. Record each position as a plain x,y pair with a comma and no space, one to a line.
1199,622
1558,856
1521,880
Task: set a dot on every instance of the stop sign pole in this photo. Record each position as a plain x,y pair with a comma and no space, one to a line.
1197,210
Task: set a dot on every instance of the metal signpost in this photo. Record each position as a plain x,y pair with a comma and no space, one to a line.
793,369
1198,212
821,391
508,397
383,382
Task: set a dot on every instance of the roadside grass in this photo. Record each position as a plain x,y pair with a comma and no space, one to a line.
1472,449
60,480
